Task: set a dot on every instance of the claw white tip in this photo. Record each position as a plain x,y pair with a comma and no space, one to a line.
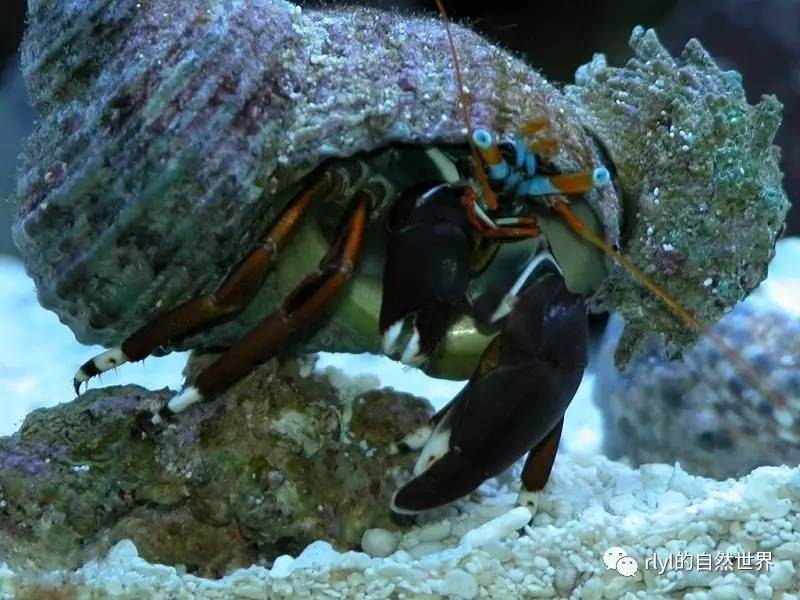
505,306
185,399
529,500
110,359
416,439
411,355
436,447
103,362
391,336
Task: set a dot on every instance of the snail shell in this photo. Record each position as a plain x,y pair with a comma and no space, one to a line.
699,176
172,132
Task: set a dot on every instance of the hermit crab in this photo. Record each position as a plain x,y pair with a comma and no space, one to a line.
247,175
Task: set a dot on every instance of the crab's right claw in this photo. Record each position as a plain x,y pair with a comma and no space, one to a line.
514,402
427,271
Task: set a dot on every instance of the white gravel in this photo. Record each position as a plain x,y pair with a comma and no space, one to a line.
488,548
379,542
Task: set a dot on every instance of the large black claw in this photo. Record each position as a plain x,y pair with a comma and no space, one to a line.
517,397
449,478
428,267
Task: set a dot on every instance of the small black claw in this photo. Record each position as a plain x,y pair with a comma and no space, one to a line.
84,374
449,478
428,265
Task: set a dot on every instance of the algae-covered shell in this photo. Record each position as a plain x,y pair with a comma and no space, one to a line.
172,132
699,175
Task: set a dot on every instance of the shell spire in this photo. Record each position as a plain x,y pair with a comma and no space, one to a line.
699,175
67,43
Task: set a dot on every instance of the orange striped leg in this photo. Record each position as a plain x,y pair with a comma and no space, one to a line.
567,183
524,227
234,294
298,310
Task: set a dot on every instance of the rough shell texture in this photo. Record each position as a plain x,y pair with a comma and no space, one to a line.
699,176
171,132
269,468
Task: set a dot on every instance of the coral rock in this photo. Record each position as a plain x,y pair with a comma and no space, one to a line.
268,468
699,176
702,411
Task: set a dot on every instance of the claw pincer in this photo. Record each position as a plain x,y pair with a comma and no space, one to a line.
427,271
515,401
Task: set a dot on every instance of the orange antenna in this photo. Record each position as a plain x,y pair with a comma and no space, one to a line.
477,167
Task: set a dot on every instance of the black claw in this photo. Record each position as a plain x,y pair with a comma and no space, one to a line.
451,477
90,370
428,264
514,402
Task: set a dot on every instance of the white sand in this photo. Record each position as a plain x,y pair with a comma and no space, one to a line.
490,551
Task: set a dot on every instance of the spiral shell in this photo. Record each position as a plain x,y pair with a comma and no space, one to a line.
699,175
172,132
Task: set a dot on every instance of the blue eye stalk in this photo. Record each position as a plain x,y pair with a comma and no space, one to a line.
515,170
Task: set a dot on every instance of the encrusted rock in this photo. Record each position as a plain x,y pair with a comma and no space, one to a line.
703,411
268,468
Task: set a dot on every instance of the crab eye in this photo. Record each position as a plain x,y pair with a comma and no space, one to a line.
600,176
483,138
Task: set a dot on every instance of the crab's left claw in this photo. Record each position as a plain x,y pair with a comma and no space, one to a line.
514,402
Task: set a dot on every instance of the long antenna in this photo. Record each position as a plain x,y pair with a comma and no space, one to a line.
574,223
477,167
